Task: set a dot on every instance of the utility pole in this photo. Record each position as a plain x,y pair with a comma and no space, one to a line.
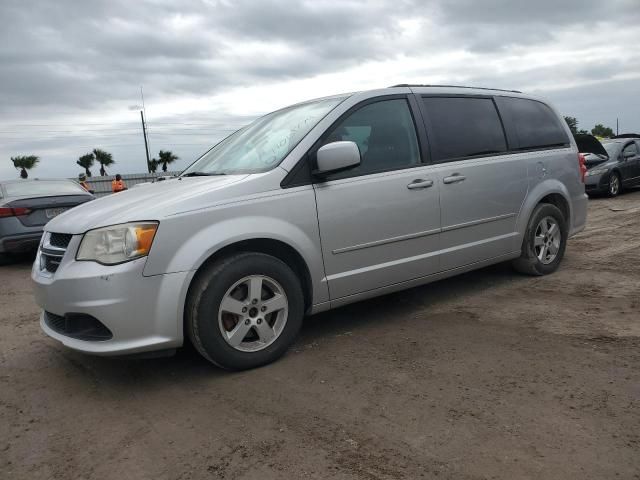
617,125
146,145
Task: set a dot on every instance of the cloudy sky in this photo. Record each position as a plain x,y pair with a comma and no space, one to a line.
71,71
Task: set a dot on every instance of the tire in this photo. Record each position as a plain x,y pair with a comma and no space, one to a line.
235,339
533,260
615,185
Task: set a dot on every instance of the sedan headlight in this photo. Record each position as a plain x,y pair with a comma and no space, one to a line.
596,171
117,243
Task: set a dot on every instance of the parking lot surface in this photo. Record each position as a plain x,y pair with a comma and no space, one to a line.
486,375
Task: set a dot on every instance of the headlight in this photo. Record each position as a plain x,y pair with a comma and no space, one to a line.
596,171
117,243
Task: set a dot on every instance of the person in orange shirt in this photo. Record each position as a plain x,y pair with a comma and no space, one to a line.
118,184
82,180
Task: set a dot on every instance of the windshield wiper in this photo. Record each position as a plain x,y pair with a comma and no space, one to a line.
201,174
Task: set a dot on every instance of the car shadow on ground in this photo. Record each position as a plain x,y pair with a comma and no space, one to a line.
187,365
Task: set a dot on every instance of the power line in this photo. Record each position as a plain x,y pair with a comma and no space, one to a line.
56,135
66,124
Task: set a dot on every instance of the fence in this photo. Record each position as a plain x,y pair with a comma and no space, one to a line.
101,186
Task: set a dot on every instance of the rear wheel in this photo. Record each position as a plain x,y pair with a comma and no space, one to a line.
544,242
244,311
615,186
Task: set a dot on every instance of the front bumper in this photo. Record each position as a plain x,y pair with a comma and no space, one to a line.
142,313
597,183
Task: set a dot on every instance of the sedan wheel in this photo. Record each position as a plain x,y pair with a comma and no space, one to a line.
614,185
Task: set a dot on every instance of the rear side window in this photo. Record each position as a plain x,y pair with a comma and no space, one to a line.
463,127
535,124
385,134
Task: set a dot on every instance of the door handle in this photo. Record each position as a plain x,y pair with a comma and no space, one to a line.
420,183
455,178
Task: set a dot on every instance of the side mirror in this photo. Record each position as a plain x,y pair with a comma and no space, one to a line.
337,156
628,154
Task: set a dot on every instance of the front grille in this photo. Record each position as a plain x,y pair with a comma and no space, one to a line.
50,263
54,246
78,325
60,240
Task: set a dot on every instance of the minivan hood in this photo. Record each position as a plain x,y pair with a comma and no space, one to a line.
149,202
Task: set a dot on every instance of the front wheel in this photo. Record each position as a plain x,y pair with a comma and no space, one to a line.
244,311
544,241
614,184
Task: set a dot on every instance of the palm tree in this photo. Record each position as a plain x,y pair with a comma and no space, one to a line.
86,162
24,163
153,165
104,159
166,158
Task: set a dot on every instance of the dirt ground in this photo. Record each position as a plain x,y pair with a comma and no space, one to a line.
487,375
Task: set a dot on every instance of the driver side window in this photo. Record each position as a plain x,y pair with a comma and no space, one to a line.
385,134
630,150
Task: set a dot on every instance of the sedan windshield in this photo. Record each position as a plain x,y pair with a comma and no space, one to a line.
612,148
264,143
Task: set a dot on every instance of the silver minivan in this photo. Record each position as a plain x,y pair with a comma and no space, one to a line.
308,208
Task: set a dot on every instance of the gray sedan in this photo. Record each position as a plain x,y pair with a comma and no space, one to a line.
612,167
27,205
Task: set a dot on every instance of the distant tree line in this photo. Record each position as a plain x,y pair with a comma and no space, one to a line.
599,130
24,163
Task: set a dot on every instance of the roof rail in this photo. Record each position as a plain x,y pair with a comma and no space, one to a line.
453,86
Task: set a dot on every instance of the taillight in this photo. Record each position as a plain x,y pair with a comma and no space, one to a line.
13,212
583,166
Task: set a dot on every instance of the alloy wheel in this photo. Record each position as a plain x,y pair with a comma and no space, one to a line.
253,313
547,240
614,184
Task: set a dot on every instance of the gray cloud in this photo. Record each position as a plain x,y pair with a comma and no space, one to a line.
77,57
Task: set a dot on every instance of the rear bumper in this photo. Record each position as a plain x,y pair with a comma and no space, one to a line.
15,237
20,243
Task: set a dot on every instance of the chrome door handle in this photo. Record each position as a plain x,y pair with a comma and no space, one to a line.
420,183
455,178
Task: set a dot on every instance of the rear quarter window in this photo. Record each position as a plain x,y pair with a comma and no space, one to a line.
534,124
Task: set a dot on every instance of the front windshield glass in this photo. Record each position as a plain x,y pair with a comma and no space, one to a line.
264,143
612,148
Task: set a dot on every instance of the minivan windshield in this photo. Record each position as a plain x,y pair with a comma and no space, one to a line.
265,142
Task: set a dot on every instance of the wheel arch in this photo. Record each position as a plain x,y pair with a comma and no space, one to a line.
551,191
268,246
561,203
618,173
